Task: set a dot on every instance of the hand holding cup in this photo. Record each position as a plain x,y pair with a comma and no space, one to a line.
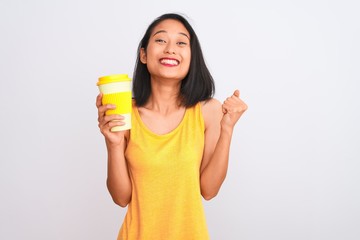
114,105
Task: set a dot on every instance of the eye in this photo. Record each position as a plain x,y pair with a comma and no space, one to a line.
182,43
159,40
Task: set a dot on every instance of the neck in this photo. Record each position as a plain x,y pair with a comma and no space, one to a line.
164,98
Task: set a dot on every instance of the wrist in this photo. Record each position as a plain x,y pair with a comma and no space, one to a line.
115,146
226,130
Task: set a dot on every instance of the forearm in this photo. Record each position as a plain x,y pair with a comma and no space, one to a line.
118,179
213,175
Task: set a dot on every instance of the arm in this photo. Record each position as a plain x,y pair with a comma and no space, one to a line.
219,125
118,179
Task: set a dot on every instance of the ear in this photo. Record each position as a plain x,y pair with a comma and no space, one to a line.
142,56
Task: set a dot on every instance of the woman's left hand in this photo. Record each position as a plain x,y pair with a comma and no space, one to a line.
233,107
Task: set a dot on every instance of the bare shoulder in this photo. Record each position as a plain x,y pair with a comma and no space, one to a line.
212,111
210,105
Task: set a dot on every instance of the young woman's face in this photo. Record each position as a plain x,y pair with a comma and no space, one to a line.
168,53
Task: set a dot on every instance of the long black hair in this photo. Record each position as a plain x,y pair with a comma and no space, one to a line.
198,84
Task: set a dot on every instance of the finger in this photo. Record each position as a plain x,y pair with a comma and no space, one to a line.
111,121
227,106
224,109
232,100
103,108
234,104
105,129
98,100
105,120
113,117
115,123
236,93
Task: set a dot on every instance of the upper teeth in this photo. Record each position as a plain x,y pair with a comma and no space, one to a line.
169,61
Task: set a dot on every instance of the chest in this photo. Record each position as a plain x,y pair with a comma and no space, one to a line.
149,155
161,123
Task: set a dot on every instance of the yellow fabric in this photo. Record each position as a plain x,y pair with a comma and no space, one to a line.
166,202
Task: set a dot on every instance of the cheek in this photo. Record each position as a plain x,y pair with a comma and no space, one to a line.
189,59
151,67
150,59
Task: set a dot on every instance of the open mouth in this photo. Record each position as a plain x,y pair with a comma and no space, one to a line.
169,62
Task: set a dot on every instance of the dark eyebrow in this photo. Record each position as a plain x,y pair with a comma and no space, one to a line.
184,35
163,31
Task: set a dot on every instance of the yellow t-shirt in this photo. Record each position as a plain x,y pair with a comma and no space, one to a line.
166,202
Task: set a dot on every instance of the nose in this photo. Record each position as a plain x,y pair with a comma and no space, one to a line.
169,49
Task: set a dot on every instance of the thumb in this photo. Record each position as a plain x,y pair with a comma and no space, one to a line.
236,93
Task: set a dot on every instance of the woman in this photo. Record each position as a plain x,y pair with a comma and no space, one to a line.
178,147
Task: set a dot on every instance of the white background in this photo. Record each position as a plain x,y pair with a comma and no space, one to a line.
294,171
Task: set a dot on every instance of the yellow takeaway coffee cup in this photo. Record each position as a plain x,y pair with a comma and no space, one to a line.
116,90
